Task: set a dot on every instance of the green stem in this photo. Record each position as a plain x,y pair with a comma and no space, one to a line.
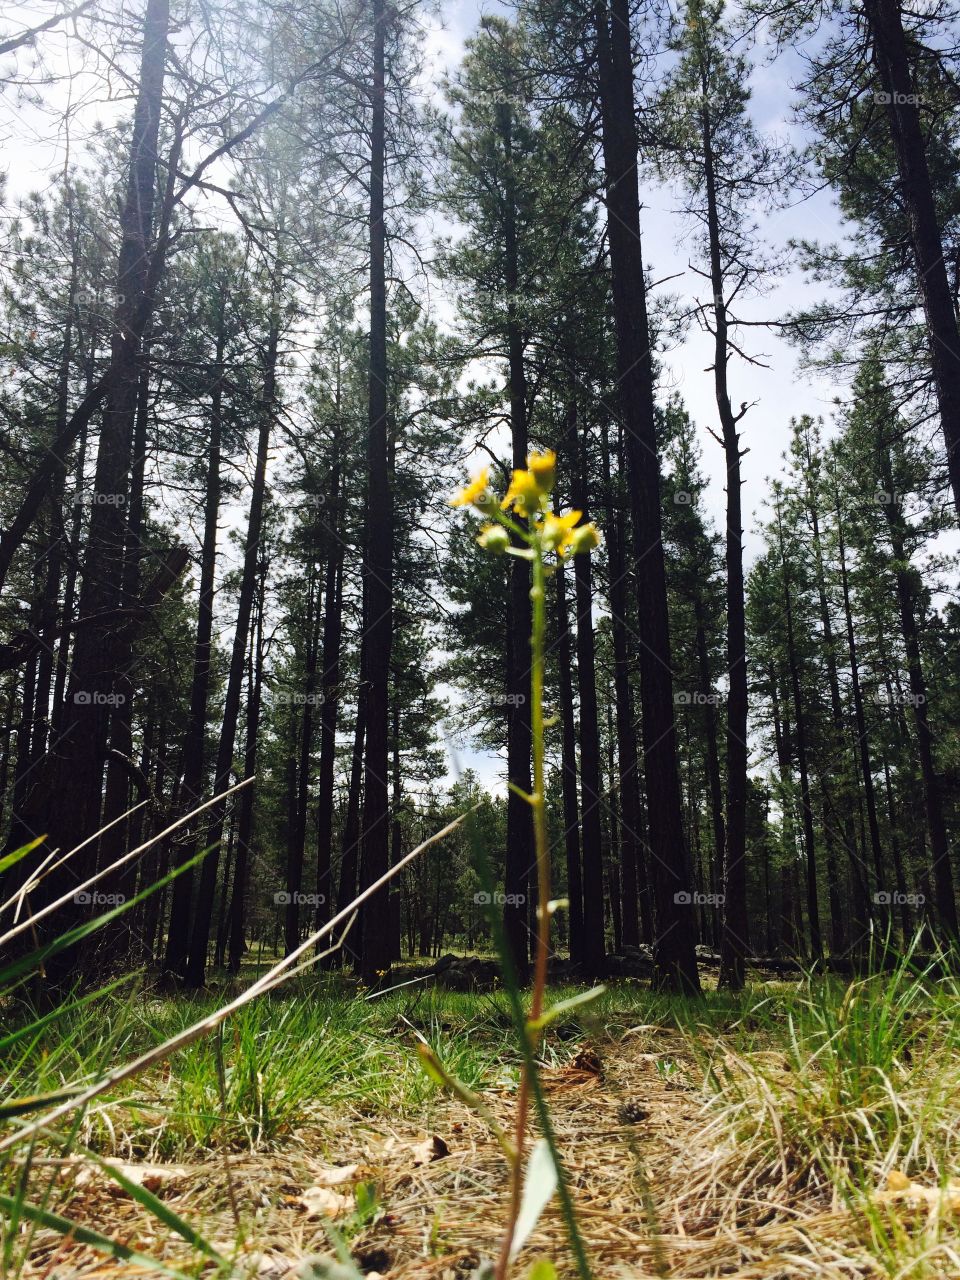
538,595
537,800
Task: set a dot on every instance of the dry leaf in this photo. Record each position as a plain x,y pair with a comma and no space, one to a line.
900,1190
152,1177
321,1202
149,1176
334,1175
432,1148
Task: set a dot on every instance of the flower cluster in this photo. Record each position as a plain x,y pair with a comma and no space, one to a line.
528,496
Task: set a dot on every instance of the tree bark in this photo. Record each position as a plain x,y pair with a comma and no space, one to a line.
636,890
734,943
298,837
241,872
378,551
350,855
200,930
178,932
591,830
519,851
674,946
891,58
71,788
568,771
806,803
329,695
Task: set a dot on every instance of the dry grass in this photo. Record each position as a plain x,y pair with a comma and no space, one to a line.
673,1174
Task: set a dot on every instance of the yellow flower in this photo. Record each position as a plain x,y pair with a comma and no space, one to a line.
494,537
543,468
585,537
477,493
558,530
524,494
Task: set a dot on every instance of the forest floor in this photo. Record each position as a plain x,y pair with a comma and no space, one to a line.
798,1130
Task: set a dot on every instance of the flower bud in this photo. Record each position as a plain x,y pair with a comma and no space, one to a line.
494,538
584,538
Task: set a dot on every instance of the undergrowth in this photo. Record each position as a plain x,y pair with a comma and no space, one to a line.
813,1092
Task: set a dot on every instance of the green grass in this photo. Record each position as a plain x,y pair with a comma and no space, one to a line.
815,1090
283,1057
820,1092
854,1075
276,1062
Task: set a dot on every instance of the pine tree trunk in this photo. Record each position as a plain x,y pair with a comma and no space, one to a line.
568,771
62,664
71,788
838,931
298,825
329,695
932,789
178,933
73,557
156,869
906,920
891,58
115,940
637,913
611,847
223,912
53,555
714,777
255,663
863,738
734,943
200,930
591,829
350,855
520,849
806,809
378,553
674,948
294,869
